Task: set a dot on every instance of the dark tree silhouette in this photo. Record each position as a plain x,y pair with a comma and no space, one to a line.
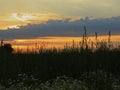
7,48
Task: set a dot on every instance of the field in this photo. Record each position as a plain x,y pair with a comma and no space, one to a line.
78,67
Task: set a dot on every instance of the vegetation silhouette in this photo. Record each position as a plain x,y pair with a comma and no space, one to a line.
96,65
5,48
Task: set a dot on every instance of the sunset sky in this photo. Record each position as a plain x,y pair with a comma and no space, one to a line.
17,13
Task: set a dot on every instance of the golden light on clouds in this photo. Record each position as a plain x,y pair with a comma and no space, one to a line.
4,25
15,20
38,11
25,10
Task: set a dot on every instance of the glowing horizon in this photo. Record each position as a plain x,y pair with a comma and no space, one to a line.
57,42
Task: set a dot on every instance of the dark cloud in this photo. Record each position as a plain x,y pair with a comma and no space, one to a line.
64,28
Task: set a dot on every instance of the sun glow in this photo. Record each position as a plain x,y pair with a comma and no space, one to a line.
22,17
14,27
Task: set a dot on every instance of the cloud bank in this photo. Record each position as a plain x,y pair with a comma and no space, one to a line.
64,27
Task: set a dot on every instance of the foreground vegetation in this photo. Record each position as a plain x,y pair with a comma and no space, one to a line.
83,68
94,66
89,81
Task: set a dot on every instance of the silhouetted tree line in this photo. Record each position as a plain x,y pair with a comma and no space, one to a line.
5,48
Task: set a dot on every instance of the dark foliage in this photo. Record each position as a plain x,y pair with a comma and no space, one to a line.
48,64
6,48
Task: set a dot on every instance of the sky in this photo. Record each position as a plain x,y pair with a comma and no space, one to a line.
15,14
